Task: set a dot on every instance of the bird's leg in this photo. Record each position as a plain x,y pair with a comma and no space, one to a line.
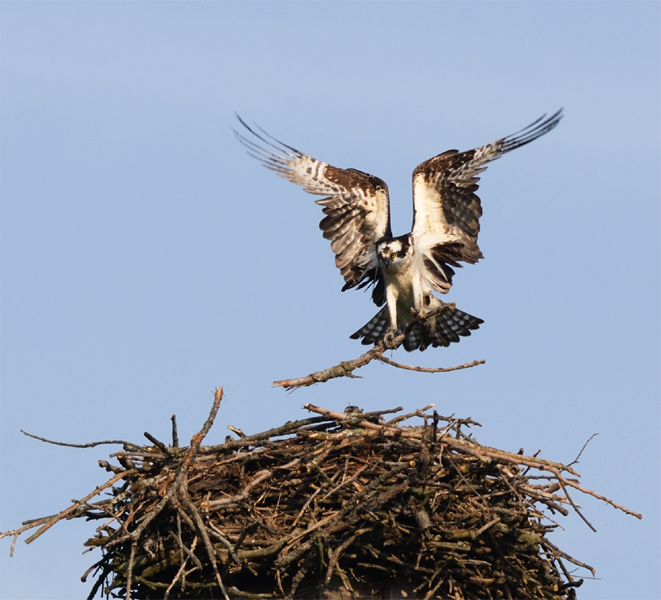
389,338
421,315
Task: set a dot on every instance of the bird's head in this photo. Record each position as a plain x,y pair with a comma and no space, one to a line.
394,253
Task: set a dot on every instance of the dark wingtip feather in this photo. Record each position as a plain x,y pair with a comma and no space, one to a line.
530,133
278,145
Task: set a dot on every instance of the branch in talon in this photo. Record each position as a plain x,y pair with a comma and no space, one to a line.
347,368
390,340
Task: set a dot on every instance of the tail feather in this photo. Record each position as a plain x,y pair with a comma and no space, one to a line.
375,329
440,329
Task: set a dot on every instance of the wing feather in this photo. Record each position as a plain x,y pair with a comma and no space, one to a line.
356,205
447,209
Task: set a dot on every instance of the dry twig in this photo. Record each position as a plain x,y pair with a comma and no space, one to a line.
346,368
340,501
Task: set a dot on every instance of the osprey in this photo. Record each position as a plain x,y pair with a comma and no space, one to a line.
404,270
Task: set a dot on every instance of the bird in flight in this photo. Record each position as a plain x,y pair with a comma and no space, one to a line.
405,270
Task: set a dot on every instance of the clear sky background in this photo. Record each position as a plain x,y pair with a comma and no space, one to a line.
146,259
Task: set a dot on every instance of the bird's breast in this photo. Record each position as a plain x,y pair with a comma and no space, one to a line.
400,277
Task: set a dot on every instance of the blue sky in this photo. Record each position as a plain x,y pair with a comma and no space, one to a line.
146,259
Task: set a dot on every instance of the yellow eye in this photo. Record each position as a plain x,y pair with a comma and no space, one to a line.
393,254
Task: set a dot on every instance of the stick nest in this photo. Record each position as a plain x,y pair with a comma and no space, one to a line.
340,505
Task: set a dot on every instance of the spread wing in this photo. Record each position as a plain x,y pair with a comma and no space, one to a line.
355,204
447,209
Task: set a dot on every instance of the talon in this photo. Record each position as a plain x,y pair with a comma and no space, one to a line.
389,339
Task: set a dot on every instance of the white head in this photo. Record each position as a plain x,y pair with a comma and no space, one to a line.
394,253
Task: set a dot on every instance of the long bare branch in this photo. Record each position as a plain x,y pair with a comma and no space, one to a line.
346,368
392,363
127,445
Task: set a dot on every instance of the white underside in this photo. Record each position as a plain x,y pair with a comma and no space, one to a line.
406,290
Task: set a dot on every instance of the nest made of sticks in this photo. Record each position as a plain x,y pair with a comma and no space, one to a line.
340,505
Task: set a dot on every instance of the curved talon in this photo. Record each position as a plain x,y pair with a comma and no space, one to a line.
389,339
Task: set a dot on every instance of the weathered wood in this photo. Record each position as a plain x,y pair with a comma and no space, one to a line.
340,505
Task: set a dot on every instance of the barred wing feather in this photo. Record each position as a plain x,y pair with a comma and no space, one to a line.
447,209
356,206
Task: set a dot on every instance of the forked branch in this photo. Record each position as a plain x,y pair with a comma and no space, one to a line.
347,368
331,486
